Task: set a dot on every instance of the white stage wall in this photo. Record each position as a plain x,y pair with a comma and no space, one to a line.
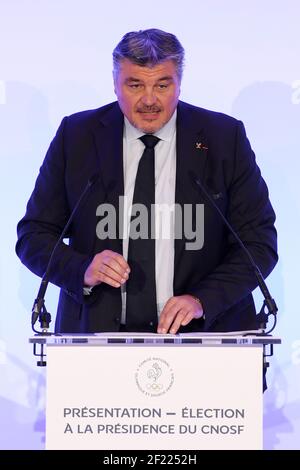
242,58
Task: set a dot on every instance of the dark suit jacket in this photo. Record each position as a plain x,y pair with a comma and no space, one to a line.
219,274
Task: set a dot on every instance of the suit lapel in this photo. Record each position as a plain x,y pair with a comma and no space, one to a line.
191,157
109,146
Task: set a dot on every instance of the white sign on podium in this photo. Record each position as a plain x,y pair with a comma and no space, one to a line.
126,391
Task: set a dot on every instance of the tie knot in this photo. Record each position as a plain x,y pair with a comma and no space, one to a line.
149,140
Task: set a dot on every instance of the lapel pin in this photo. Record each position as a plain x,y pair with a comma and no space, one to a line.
201,146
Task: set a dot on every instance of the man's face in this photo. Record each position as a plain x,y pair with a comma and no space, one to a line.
147,96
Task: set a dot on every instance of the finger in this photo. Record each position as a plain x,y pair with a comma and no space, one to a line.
119,259
168,305
108,257
112,274
176,303
167,318
101,277
180,317
114,265
189,317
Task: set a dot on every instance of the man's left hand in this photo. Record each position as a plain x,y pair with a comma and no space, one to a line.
178,311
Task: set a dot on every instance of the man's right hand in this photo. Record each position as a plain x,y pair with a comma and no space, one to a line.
108,267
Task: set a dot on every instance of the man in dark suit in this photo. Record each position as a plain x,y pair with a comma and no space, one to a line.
108,281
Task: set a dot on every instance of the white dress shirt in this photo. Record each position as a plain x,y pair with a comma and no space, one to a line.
165,175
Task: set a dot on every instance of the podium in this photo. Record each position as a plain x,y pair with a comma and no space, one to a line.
150,391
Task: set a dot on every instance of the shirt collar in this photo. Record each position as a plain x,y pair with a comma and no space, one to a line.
165,133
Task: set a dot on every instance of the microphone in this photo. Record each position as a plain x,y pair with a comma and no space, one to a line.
39,310
269,303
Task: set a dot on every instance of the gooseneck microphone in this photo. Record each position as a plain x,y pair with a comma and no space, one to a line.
269,303
39,310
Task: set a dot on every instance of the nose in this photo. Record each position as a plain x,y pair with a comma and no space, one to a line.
149,97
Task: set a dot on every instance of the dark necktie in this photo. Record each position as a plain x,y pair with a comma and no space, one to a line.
141,309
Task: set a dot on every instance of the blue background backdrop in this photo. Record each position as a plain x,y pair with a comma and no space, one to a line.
242,58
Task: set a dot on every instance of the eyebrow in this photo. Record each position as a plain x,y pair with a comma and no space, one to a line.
167,77
137,80
132,79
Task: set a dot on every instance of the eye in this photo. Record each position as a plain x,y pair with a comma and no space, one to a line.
162,86
135,86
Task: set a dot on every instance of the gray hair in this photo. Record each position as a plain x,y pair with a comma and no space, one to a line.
148,48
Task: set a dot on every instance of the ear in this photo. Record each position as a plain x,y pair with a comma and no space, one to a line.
114,80
115,75
178,86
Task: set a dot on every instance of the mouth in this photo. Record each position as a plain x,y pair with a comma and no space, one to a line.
149,114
